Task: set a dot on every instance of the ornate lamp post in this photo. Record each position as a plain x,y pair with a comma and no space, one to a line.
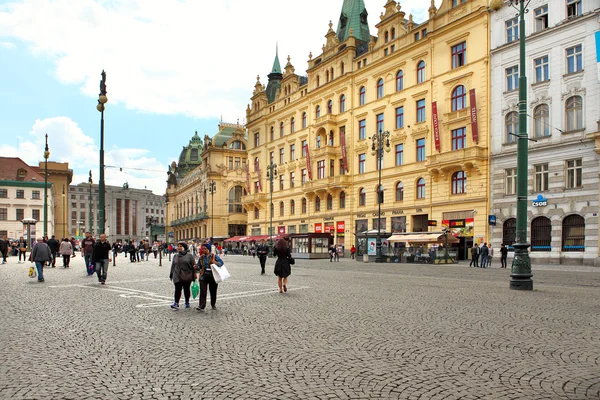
271,175
90,201
212,188
46,156
381,142
100,107
521,265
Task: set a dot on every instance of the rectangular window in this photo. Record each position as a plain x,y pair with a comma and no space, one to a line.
573,8
281,156
380,127
455,3
292,179
237,164
20,214
35,195
399,154
574,59
321,169
510,186
342,167
512,78
362,129
126,217
541,178
542,73
271,157
81,205
386,52
541,18
459,138
256,139
512,30
331,168
417,36
459,55
3,214
304,176
292,152
420,150
82,215
3,193
303,148
574,174
230,163
362,160
421,110
35,214
399,117
20,194
119,218
281,182
134,224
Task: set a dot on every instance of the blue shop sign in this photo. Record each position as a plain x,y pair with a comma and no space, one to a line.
491,220
540,201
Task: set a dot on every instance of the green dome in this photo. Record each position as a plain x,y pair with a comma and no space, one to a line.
190,155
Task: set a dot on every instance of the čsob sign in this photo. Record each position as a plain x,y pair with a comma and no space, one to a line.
539,201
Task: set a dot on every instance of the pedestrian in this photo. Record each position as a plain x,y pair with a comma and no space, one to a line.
262,251
503,255
140,250
338,252
41,255
65,250
490,256
352,252
155,249
22,249
4,248
283,269
183,273
474,256
484,252
131,250
87,248
73,246
101,258
54,246
115,250
331,252
146,249
207,280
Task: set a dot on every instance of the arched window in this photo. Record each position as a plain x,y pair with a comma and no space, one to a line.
574,110
362,197
573,233
509,231
380,88
512,126
421,72
386,35
318,112
292,207
459,98
194,155
393,33
304,120
317,204
303,205
281,129
459,182
292,125
330,107
272,133
380,194
421,192
399,81
256,213
541,121
281,209
362,95
541,234
235,199
342,103
399,191
343,200
329,202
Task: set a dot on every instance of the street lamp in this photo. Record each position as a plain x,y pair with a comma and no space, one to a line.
90,201
271,174
100,107
212,188
521,265
46,156
381,142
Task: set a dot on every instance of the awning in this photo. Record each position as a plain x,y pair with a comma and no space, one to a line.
235,239
434,237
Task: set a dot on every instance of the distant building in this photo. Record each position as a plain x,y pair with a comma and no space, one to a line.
60,176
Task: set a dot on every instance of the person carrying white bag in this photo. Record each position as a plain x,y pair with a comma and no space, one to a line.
207,278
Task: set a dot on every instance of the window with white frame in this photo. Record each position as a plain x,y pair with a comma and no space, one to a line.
542,72
541,121
574,59
510,179
511,125
512,30
541,18
459,55
362,129
574,113
512,78
573,8
540,178
574,175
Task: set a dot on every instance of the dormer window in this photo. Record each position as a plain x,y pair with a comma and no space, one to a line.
194,155
21,173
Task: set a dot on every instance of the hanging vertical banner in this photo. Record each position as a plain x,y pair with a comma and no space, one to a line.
257,167
248,187
436,125
343,144
308,165
474,123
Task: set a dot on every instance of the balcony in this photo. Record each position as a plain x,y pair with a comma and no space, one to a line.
327,184
192,218
254,198
327,119
326,152
468,159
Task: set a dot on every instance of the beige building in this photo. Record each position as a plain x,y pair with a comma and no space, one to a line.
424,83
61,176
205,188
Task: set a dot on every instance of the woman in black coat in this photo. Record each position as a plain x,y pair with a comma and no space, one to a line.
283,269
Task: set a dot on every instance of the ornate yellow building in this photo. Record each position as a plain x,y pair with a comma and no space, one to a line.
426,84
205,188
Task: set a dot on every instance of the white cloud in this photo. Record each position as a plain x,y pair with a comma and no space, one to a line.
8,45
198,58
68,143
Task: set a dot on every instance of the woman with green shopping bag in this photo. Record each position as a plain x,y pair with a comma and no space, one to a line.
183,272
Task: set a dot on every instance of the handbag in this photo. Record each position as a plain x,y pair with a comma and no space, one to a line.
291,260
22,249
220,273
195,289
32,272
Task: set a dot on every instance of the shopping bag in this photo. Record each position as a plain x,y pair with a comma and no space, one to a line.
32,272
91,269
195,289
219,273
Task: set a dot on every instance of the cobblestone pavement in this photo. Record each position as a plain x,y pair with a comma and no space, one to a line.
344,330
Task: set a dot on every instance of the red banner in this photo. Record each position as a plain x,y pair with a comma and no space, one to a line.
474,123
257,167
436,125
343,144
281,230
248,187
340,226
308,166
329,228
319,228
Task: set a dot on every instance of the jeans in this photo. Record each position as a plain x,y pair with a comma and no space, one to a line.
142,253
87,257
483,261
102,269
208,281
40,270
503,262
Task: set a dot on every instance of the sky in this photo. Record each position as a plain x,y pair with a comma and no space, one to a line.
173,67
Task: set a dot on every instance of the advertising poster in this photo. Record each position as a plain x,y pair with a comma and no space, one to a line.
459,227
372,246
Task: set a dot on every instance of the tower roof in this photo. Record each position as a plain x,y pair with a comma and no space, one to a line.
276,65
354,15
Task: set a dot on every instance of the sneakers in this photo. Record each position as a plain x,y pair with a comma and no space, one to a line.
200,309
175,306
187,305
214,308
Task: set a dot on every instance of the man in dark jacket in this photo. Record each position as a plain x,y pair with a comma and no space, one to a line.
484,252
474,256
101,257
54,245
4,248
87,248
262,251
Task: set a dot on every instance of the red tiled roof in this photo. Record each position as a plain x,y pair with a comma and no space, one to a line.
9,167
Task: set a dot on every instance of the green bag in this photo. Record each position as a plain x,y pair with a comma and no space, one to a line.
195,289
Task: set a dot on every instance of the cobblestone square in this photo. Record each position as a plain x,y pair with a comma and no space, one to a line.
344,330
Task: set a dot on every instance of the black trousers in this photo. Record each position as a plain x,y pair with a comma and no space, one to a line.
22,253
208,282
502,261
4,253
186,291
66,260
474,260
263,260
132,257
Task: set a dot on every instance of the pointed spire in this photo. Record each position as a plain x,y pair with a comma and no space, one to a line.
276,65
354,15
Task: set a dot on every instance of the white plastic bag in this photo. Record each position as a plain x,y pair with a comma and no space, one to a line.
32,272
219,273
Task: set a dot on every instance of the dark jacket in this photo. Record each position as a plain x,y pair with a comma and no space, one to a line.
54,245
283,269
41,252
262,250
474,251
3,245
182,262
101,251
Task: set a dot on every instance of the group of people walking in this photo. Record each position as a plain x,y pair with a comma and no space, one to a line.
481,257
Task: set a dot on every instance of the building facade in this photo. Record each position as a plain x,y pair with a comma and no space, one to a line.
61,176
426,84
22,197
205,188
130,213
563,100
